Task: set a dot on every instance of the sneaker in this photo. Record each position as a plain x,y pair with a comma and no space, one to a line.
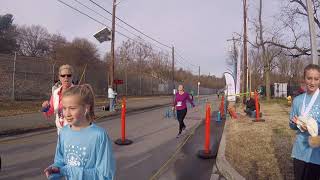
178,135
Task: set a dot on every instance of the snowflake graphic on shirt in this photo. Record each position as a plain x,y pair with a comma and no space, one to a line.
75,155
315,113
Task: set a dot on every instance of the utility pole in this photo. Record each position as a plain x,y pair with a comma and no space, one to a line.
13,76
314,52
235,58
126,76
245,54
199,85
111,76
173,87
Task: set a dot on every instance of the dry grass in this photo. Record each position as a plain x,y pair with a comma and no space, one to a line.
261,150
11,108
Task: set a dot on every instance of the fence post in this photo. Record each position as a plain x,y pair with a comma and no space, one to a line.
13,76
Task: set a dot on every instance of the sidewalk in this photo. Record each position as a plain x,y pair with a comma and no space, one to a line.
35,121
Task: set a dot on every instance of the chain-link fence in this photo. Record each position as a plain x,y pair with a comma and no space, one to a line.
24,78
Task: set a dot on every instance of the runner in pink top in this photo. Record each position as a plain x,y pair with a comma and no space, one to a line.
180,104
54,106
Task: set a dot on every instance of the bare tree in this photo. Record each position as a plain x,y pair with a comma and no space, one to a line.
33,40
292,16
268,52
142,52
256,67
78,52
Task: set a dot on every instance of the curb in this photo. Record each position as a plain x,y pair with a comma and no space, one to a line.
165,165
223,165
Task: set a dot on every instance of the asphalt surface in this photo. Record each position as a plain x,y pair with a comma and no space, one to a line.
155,147
187,165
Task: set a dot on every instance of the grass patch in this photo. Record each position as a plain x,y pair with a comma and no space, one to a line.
282,101
261,150
11,108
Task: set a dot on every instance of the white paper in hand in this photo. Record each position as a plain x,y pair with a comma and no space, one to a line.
310,123
312,126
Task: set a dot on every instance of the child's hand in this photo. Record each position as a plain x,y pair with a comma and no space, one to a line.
173,108
294,119
50,170
314,142
304,127
45,104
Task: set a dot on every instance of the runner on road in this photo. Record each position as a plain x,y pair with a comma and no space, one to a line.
180,104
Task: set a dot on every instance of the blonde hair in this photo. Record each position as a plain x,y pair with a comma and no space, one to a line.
181,86
86,94
66,66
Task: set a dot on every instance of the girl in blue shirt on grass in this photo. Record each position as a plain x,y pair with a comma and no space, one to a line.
306,157
84,150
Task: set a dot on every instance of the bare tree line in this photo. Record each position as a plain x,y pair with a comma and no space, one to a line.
280,51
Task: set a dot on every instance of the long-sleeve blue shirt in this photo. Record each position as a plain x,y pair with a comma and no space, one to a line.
84,154
301,149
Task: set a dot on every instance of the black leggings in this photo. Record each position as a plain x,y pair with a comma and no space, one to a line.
305,171
181,114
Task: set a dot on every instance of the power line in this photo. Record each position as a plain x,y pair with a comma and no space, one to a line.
116,23
177,52
166,50
106,25
131,25
185,66
95,20
83,13
105,17
181,61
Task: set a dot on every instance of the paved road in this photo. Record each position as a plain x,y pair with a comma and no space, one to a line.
186,165
26,122
153,136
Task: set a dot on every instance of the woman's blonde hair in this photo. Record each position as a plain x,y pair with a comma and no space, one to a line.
85,92
181,86
66,66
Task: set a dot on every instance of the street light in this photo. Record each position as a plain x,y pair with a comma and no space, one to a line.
103,35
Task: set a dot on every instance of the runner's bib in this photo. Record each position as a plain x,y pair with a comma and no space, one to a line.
179,103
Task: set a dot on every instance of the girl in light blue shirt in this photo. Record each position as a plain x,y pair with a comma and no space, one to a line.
306,159
84,150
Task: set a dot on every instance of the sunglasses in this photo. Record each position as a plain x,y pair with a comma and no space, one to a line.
64,75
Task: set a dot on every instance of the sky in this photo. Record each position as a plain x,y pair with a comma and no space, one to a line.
197,29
